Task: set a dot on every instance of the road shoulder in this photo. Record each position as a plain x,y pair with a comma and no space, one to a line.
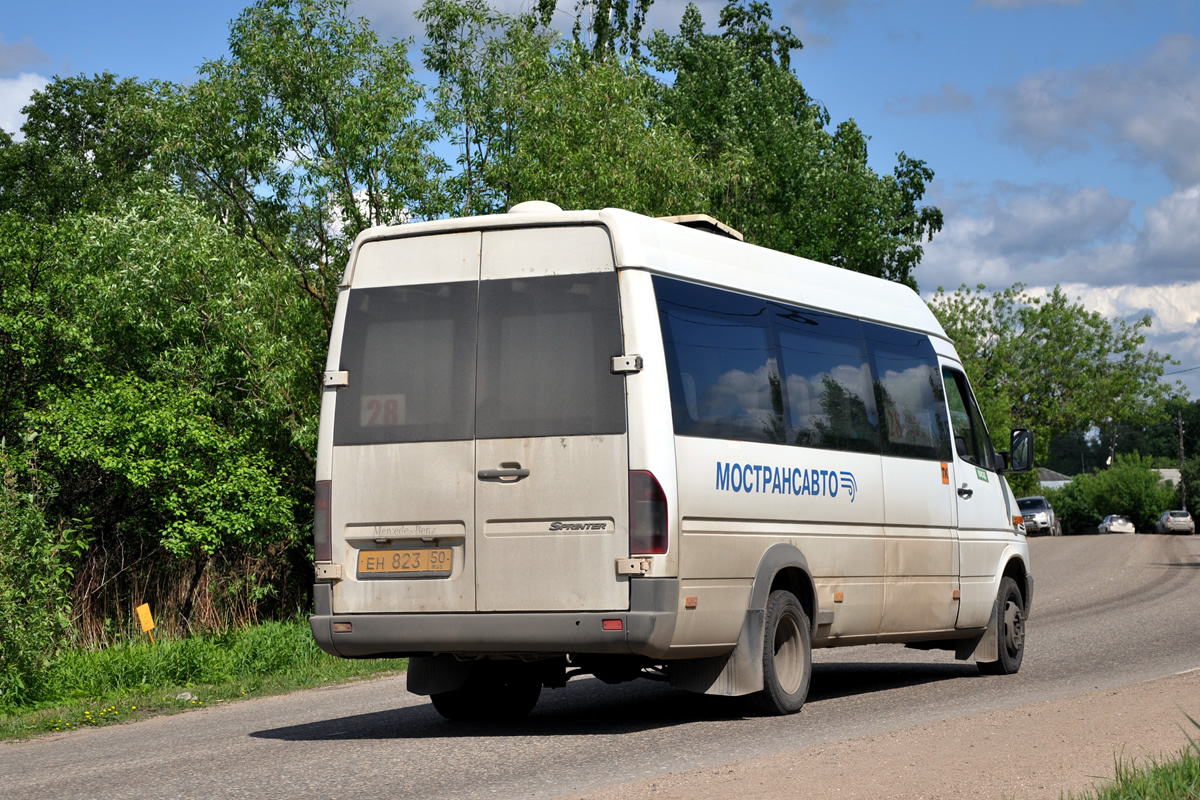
1043,750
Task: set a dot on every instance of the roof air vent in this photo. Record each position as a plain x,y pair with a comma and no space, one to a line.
703,222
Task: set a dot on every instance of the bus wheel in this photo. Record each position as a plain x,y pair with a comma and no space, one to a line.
494,692
1010,630
787,656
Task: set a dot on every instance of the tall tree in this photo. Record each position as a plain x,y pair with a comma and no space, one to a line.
536,117
86,142
484,61
179,377
1049,364
607,28
790,184
305,135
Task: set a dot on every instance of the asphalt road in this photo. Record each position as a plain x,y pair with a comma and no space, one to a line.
1109,611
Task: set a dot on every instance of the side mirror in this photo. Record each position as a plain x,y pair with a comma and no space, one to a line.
1020,451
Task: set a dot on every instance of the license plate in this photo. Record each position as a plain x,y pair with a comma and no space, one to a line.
424,561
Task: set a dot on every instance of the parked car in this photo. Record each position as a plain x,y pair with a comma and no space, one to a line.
1039,516
1115,523
1175,522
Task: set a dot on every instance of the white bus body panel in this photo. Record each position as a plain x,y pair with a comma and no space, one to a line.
524,563
895,551
826,503
505,555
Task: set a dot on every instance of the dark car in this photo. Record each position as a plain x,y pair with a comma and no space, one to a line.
1039,516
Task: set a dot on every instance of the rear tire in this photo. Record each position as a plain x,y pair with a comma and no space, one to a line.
787,657
494,692
1009,616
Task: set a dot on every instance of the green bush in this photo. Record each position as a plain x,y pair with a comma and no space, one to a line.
1129,487
35,573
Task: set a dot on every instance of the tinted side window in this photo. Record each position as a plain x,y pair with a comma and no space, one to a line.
721,363
826,380
971,439
744,368
908,386
545,350
410,355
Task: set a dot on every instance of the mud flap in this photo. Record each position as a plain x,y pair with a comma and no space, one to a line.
984,648
736,673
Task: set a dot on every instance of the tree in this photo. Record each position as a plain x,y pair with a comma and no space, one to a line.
305,135
787,182
200,326
536,117
87,141
158,362
36,565
1191,476
1049,364
587,137
607,28
1075,453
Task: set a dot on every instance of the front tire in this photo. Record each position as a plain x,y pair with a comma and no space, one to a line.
787,657
1009,619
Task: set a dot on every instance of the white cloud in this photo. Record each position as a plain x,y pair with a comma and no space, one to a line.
1047,233
15,94
1170,239
1085,243
1175,307
1052,221
1149,111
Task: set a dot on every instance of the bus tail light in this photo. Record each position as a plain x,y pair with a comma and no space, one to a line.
322,546
647,515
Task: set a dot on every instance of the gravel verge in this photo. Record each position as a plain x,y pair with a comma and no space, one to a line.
1043,750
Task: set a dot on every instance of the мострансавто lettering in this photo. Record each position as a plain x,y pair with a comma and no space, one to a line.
797,481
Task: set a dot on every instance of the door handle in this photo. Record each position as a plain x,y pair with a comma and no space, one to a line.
964,492
506,475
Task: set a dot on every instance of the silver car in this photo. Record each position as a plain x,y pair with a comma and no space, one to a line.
1175,522
1115,523
1039,516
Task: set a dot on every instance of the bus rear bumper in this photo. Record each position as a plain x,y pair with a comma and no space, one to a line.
645,629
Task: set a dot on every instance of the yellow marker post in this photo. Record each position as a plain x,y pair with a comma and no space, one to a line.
147,620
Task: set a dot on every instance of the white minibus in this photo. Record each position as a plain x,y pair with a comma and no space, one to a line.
556,443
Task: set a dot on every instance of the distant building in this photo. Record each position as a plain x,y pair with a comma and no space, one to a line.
1050,479
1171,476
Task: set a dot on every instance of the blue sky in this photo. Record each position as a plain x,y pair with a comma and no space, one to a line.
1064,134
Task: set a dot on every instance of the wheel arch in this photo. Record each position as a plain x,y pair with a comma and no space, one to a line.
740,671
783,566
1017,569
983,648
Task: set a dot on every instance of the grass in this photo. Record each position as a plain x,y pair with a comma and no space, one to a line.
137,680
1176,779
